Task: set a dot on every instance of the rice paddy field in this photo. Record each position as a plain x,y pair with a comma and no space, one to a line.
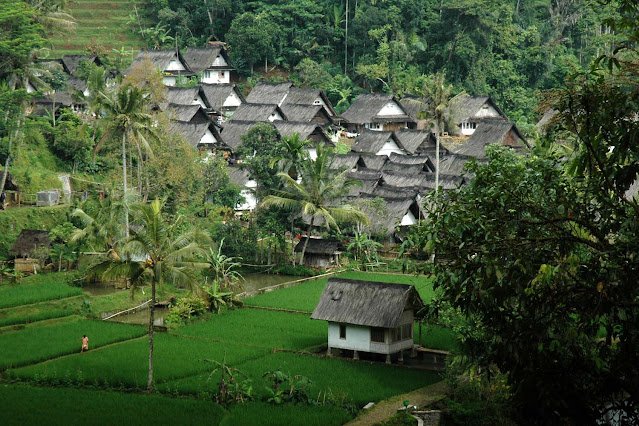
25,294
42,362
99,23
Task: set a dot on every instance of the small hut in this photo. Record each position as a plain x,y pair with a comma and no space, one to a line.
320,253
25,247
366,316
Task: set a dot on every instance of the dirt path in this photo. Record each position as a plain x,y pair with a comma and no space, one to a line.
388,407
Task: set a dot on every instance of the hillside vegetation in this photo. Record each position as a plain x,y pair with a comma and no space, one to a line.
100,24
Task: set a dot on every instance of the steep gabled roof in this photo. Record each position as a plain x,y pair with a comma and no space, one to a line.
199,59
492,131
410,159
318,246
307,96
233,131
415,107
268,93
187,113
372,142
372,161
160,58
368,179
71,63
217,94
388,192
308,131
365,108
304,113
416,140
463,107
346,161
366,303
404,168
28,241
402,180
453,164
194,132
183,95
256,112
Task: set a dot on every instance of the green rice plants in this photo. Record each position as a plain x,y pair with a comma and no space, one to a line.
23,294
39,343
255,413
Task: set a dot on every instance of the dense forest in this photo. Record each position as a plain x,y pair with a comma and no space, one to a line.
510,50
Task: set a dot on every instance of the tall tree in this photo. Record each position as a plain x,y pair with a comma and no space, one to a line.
156,251
317,194
127,120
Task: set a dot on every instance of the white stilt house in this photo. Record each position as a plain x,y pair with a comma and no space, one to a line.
366,316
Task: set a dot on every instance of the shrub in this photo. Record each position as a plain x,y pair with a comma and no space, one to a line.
185,309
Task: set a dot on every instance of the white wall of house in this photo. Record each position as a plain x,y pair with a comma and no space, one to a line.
208,138
198,101
232,101
312,153
389,147
275,117
408,219
30,89
320,101
169,80
378,127
216,77
467,128
250,202
487,111
219,61
175,65
391,108
358,338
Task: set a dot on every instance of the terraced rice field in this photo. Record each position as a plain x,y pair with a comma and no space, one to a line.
99,23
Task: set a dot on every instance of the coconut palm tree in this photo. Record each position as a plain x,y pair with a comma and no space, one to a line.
128,120
156,252
294,151
316,194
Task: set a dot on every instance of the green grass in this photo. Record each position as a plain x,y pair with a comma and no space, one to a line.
9,317
436,337
126,364
304,297
262,328
23,294
39,343
28,405
99,22
259,413
357,381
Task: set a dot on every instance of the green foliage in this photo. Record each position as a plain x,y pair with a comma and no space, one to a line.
24,293
363,249
21,35
260,149
218,188
220,299
285,388
223,269
185,309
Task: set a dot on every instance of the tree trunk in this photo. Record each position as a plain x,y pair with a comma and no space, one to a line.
139,171
124,185
437,161
157,271
308,237
345,45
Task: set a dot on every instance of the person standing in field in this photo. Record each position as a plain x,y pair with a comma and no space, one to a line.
85,343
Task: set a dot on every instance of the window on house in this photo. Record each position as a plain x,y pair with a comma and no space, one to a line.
342,331
377,334
207,74
221,74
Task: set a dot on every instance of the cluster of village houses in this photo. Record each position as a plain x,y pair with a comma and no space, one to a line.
392,145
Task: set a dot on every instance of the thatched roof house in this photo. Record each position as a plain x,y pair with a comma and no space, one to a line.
320,253
396,212
378,143
258,112
203,136
308,131
211,61
467,111
418,142
416,109
497,131
308,97
424,160
71,63
28,241
365,316
222,98
193,114
233,131
186,96
372,161
315,114
169,62
269,93
376,111
346,161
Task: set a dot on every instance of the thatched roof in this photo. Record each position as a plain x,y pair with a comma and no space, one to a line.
372,161
217,94
547,119
28,241
413,169
268,93
199,59
423,160
187,113
256,112
71,63
453,164
365,108
233,131
366,303
194,132
391,214
464,107
388,192
415,141
371,141
346,161
307,96
160,59
60,99
305,113
77,84
368,179
402,180
238,175
309,131
415,107
318,246
183,95
492,131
